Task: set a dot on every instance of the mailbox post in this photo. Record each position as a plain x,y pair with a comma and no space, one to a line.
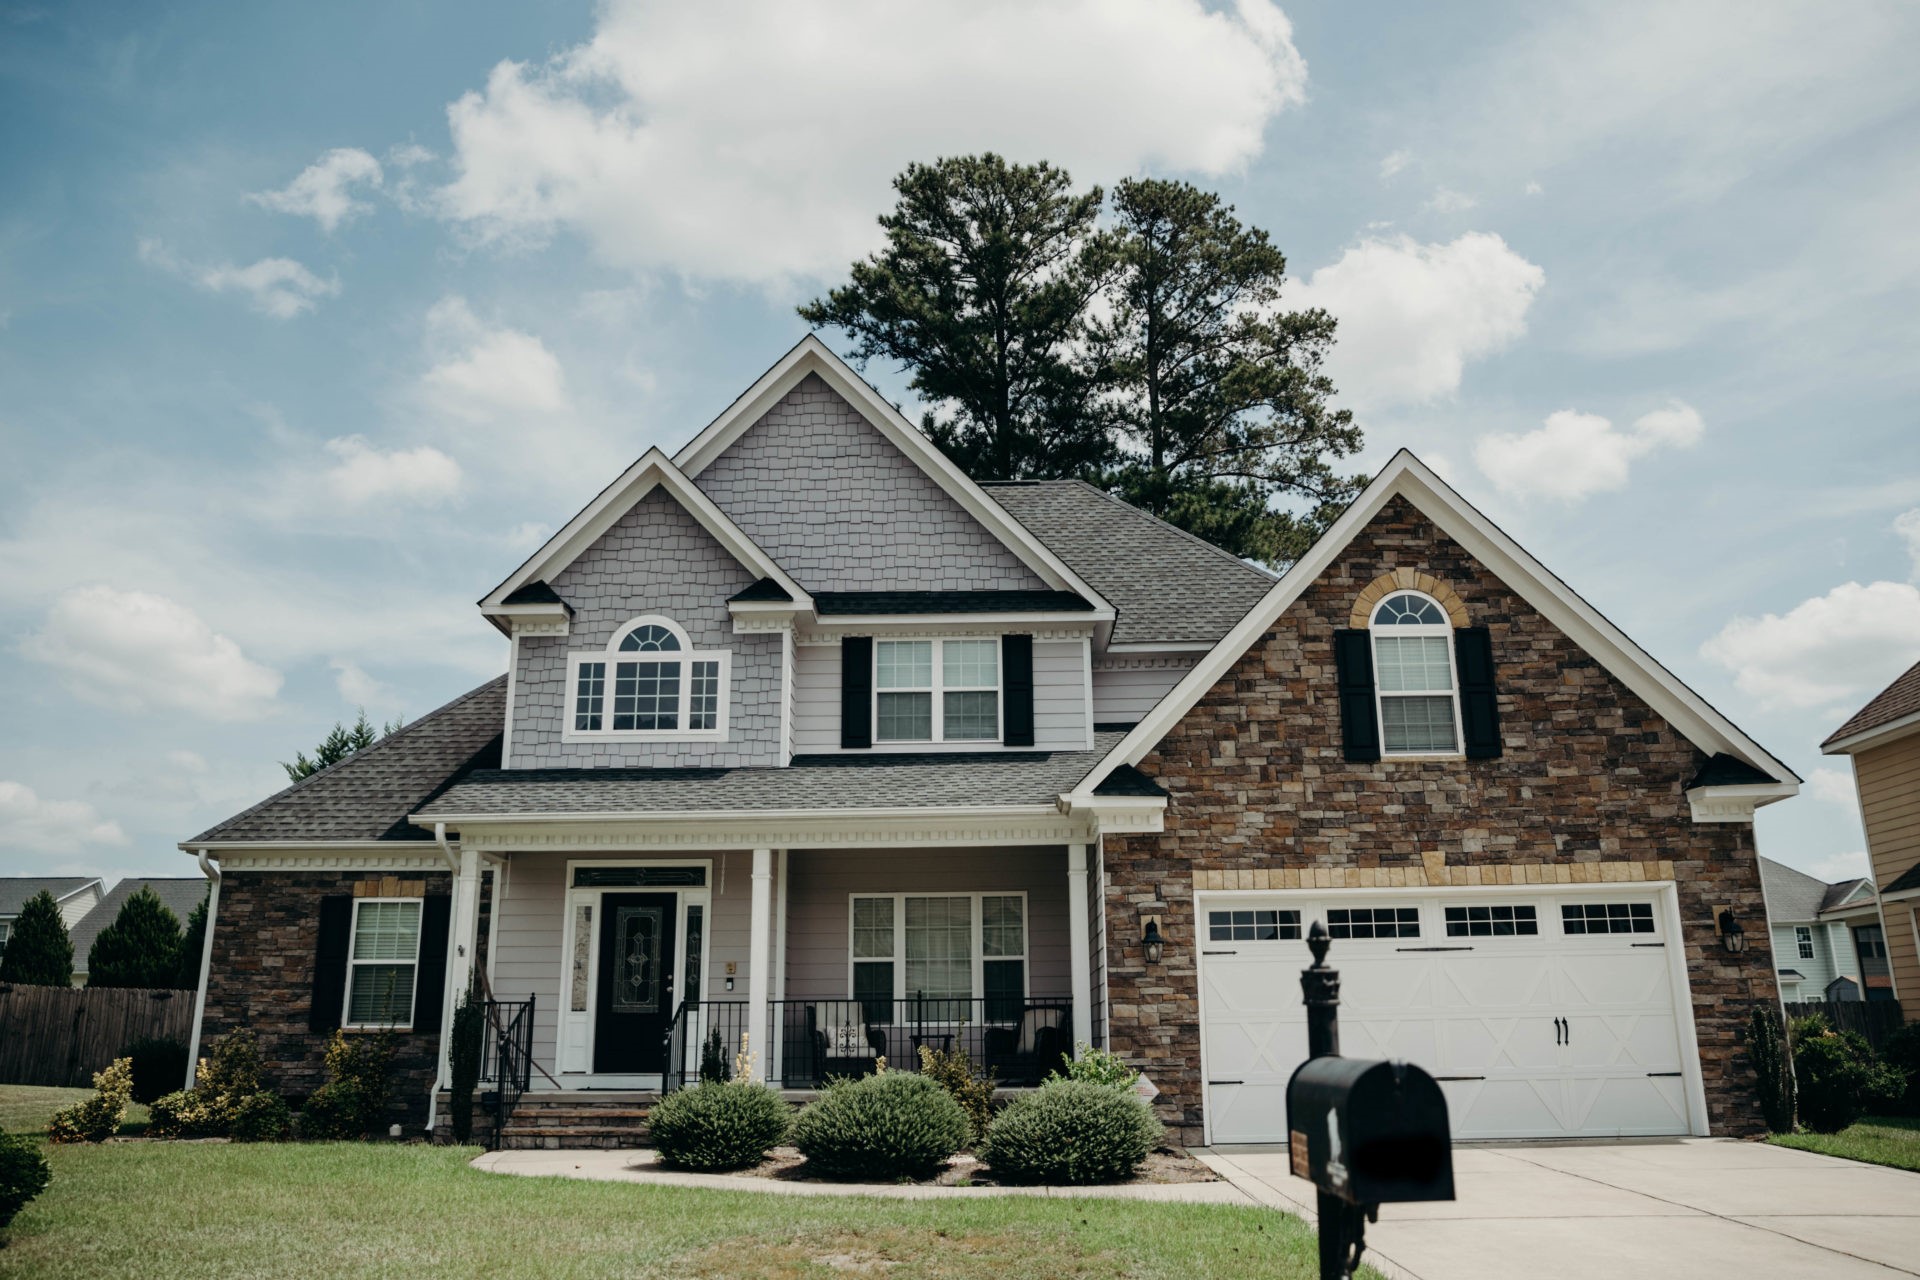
1364,1132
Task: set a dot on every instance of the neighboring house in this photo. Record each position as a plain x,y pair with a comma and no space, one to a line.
180,895
1820,931
76,895
1883,740
805,736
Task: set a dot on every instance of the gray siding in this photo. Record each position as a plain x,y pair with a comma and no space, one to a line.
1833,956
1125,689
1060,720
817,486
655,559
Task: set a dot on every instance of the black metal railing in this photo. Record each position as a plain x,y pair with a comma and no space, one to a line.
805,1043
506,1059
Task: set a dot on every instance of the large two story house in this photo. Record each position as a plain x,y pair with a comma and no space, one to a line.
808,742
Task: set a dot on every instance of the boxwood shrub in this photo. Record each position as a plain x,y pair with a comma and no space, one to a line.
24,1174
717,1125
1071,1131
887,1126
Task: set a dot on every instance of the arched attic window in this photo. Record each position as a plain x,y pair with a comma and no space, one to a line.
648,683
1414,677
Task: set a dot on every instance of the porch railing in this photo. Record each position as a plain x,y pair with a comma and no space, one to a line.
506,1059
805,1043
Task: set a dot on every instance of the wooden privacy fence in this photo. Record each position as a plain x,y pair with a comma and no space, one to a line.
62,1035
1874,1019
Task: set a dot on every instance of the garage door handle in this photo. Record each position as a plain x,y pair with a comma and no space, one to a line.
1646,944
1214,1082
1562,1034
1658,1075
1433,948
1459,1077
1219,953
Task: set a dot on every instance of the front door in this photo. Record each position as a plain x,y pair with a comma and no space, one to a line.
636,983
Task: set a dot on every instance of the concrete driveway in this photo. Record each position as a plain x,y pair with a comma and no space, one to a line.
1687,1207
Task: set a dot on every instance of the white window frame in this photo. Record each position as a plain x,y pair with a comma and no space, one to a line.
1444,630
938,690
977,977
1803,941
413,1001
6,930
686,656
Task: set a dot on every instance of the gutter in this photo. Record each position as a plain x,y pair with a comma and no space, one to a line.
211,871
446,1014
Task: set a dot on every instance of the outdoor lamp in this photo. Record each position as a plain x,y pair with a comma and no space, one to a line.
1154,944
1732,935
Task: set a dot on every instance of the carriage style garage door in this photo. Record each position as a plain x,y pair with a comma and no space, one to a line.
1543,1014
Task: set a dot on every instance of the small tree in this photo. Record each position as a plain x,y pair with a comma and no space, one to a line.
39,953
338,745
469,1029
192,944
1772,1069
141,948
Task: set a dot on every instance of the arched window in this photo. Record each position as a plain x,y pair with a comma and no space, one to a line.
1414,677
649,682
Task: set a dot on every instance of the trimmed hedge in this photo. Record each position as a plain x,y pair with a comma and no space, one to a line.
24,1174
1070,1132
716,1126
886,1126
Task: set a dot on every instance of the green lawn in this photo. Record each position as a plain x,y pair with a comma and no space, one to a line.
25,1108
1888,1140
211,1209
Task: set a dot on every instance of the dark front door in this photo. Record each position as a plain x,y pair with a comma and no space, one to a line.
636,983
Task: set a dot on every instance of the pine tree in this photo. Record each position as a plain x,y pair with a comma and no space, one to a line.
141,948
192,944
38,953
338,745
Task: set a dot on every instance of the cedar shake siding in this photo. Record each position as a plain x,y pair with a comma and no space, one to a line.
841,509
1588,775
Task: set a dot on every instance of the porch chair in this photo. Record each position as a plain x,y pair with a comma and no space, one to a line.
844,1044
1026,1052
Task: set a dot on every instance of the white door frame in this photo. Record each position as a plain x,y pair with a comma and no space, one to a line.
1666,896
578,1073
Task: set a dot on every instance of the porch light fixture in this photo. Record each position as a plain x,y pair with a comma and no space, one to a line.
1151,941
1733,935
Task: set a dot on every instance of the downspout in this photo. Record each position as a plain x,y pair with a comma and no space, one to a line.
212,873
452,860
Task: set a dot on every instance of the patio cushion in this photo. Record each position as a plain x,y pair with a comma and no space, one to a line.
843,1024
1035,1021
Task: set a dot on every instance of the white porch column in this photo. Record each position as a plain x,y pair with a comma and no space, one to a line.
463,937
760,961
1079,945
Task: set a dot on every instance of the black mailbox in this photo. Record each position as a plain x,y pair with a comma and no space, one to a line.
1369,1132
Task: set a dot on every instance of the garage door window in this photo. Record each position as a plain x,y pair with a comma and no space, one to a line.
1607,917
1252,926
1491,922
1374,922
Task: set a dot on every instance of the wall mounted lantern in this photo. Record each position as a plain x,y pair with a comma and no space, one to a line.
1151,941
1733,935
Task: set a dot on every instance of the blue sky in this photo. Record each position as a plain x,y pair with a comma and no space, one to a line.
315,319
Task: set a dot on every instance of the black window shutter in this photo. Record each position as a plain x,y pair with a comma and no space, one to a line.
856,691
330,962
1479,712
430,989
1359,721
1016,675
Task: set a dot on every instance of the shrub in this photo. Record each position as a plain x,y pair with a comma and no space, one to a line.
354,1098
159,1067
260,1117
713,1057
888,1126
1840,1081
1071,1131
953,1071
717,1126
226,1086
180,1114
468,1032
97,1118
1773,1072
1097,1066
24,1174
1902,1053
38,953
1808,1026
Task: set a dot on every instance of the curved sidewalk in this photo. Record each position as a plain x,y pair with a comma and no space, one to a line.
640,1166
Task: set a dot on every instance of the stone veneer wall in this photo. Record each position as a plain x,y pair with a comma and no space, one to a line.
265,933
1589,788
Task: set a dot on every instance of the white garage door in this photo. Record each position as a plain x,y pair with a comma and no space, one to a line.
1542,1015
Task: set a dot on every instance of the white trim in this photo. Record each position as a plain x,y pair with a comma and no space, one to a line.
1086,691
212,873
976,975
685,657
513,665
759,965
1406,476
413,1000
1079,947
1735,803
786,696
653,470
1873,737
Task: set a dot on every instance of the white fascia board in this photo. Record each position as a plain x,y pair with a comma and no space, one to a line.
1901,896
217,847
678,817
810,355
654,469
1152,646
95,883
1874,737
1406,476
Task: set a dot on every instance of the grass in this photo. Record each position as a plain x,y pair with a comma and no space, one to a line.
345,1209
1888,1140
26,1108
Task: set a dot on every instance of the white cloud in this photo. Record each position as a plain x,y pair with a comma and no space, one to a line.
1447,200
1533,189
279,287
324,190
365,473
1412,315
489,373
1827,652
1840,866
1832,786
1394,162
357,687
1577,454
763,154
133,651
1907,525
29,822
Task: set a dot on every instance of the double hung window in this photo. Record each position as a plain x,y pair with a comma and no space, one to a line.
1414,676
936,690
942,950
383,961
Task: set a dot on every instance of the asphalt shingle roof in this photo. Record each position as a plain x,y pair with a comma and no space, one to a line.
1794,896
880,781
875,602
368,795
1897,700
1165,584
1908,879
15,890
181,895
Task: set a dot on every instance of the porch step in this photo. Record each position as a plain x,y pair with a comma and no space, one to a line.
562,1120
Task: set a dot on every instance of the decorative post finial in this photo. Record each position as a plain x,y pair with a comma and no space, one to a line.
1318,942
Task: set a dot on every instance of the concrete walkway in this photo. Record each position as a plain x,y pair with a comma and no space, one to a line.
639,1166
1686,1207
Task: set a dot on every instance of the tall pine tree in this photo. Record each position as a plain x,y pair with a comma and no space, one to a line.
38,952
141,948
337,746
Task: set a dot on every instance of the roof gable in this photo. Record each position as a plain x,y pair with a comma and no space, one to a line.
179,895
1406,477
1894,711
15,890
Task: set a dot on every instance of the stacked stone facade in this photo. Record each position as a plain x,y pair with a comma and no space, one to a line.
1589,787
